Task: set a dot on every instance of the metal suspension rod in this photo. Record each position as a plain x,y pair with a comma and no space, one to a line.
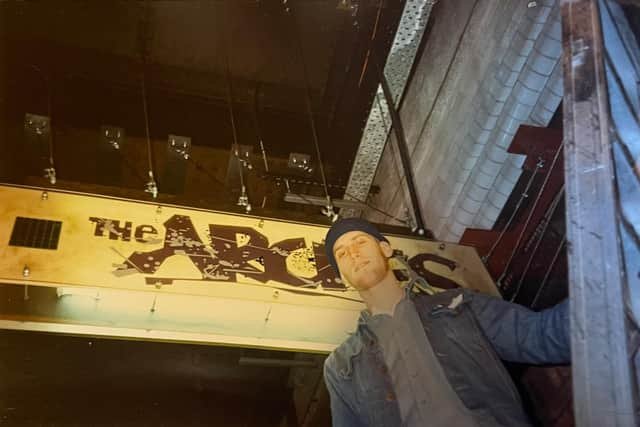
256,124
548,272
402,148
546,220
146,119
230,96
533,208
312,122
151,186
50,172
244,199
523,196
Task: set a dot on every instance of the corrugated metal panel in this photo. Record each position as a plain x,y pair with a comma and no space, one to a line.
396,70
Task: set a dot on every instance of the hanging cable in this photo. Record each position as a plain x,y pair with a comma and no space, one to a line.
533,208
545,279
243,200
370,206
523,196
329,209
50,171
144,42
538,235
373,36
151,186
256,125
289,181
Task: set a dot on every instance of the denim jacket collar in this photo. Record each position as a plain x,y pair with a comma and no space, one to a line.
365,315
353,346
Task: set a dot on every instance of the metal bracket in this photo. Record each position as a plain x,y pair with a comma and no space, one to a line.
181,145
38,125
151,186
112,136
299,161
37,131
243,154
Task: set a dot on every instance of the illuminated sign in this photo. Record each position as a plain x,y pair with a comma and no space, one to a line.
238,263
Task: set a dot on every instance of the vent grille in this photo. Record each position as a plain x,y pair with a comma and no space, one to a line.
35,233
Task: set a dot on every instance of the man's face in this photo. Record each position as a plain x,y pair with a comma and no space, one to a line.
362,259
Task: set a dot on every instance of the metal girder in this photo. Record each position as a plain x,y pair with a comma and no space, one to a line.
396,70
603,381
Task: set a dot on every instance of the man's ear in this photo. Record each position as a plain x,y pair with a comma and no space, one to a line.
386,249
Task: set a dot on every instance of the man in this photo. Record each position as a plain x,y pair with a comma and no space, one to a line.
422,360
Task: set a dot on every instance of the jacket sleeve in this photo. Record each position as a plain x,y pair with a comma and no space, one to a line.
342,415
522,335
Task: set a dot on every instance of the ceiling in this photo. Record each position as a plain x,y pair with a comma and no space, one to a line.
260,38
83,64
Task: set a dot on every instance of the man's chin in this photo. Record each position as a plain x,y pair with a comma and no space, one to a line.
366,284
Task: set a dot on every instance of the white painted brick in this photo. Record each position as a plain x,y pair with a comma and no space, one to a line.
506,76
543,64
496,199
520,112
536,29
549,100
484,223
463,175
477,193
478,134
548,45
491,104
489,210
484,179
469,162
509,125
524,95
541,117
470,205
531,25
499,91
487,120
490,169
503,139
512,174
533,80
557,84
517,160
474,150
521,44
464,217
514,61
497,154
503,186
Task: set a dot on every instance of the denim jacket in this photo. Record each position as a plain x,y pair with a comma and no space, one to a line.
469,340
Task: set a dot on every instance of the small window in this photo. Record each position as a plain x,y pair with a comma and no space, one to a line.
35,233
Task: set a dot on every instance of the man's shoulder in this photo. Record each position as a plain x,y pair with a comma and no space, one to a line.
445,297
339,362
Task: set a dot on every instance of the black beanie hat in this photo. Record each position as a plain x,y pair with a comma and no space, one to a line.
344,226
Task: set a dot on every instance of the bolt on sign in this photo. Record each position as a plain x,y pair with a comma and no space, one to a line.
122,268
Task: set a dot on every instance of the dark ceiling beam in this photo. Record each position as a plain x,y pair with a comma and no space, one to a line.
125,72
